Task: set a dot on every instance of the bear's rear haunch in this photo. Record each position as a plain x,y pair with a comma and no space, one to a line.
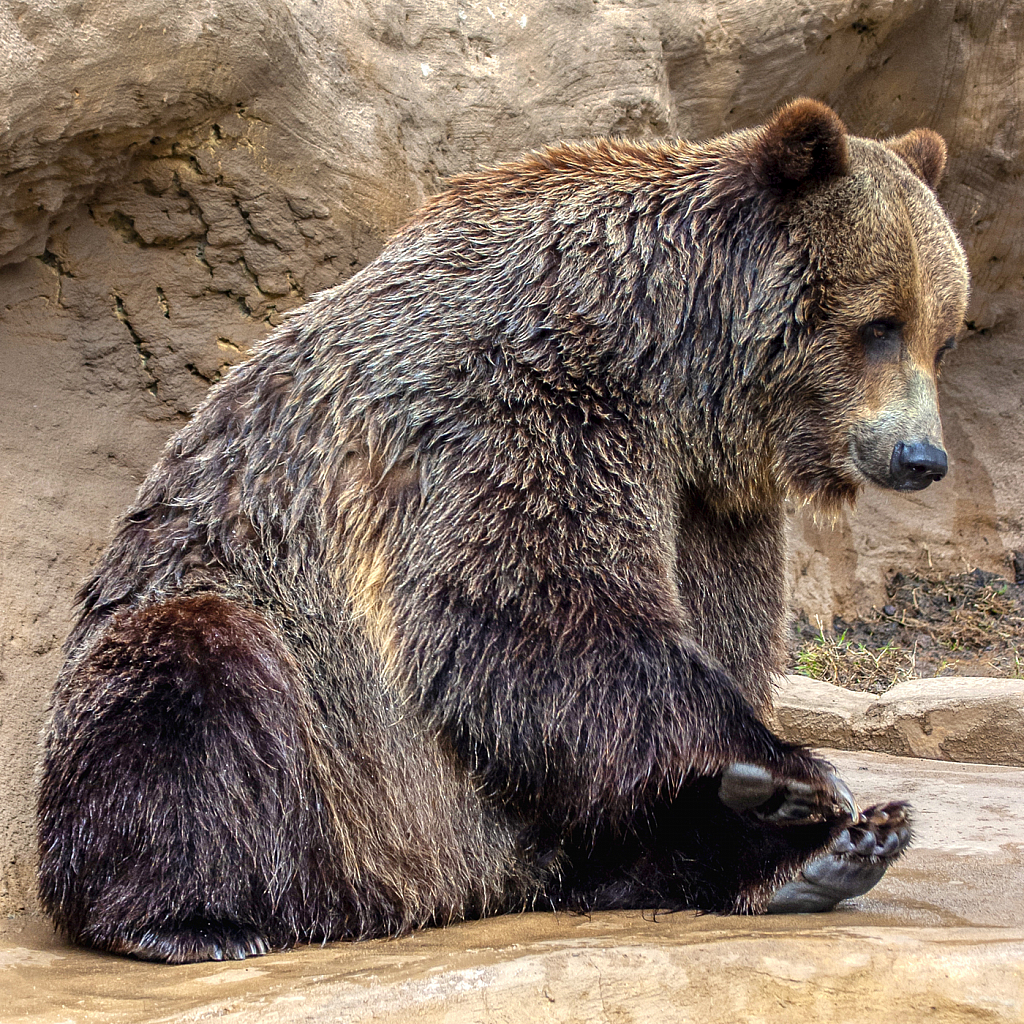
464,592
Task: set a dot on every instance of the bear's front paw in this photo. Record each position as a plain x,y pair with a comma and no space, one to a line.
854,864
750,788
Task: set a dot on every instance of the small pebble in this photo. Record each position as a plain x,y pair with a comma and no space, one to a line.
889,609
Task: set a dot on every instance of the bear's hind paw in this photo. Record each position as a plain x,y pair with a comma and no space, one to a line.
855,863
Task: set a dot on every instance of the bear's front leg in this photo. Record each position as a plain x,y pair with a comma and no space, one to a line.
561,660
595,730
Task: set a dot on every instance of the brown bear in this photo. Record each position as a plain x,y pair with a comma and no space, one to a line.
464,592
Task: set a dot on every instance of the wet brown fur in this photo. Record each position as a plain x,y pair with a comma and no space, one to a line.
460,594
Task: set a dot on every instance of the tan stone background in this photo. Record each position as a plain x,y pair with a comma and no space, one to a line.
175,176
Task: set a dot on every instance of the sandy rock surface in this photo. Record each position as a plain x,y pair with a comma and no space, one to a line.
972,719
175,177
940,939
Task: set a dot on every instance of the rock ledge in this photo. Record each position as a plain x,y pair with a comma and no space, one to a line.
979,720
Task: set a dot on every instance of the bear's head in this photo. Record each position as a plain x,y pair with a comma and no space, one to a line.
882,301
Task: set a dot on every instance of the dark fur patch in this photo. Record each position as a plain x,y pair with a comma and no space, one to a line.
687,852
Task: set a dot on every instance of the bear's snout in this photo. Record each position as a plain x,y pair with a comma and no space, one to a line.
914,466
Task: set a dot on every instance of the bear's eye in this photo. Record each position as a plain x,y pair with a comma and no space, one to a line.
882,339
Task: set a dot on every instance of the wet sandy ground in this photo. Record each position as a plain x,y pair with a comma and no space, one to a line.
940,939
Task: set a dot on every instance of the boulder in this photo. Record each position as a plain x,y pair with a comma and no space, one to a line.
974,719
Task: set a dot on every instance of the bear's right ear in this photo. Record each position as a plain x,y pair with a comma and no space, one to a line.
924,152
804,142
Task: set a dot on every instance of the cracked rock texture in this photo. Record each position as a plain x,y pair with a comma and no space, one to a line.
173,178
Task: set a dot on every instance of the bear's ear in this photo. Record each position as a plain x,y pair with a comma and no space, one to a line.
924,152
804,142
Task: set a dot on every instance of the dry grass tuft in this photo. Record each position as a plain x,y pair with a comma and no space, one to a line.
968,624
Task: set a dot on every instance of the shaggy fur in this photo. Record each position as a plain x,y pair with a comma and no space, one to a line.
462,592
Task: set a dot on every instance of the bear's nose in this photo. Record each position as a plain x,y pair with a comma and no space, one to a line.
914,466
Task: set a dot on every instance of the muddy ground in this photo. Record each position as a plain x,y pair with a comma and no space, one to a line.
967,624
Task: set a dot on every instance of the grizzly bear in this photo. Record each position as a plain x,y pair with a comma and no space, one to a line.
464,592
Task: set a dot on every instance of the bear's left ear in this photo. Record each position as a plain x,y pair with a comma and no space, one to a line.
924,152
804,142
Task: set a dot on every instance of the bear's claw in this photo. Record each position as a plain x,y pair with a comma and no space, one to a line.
194,942
855,863
751,788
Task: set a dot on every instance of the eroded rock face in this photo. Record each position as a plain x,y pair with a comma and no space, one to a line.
175,177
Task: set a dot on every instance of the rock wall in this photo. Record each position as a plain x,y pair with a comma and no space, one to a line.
175,177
